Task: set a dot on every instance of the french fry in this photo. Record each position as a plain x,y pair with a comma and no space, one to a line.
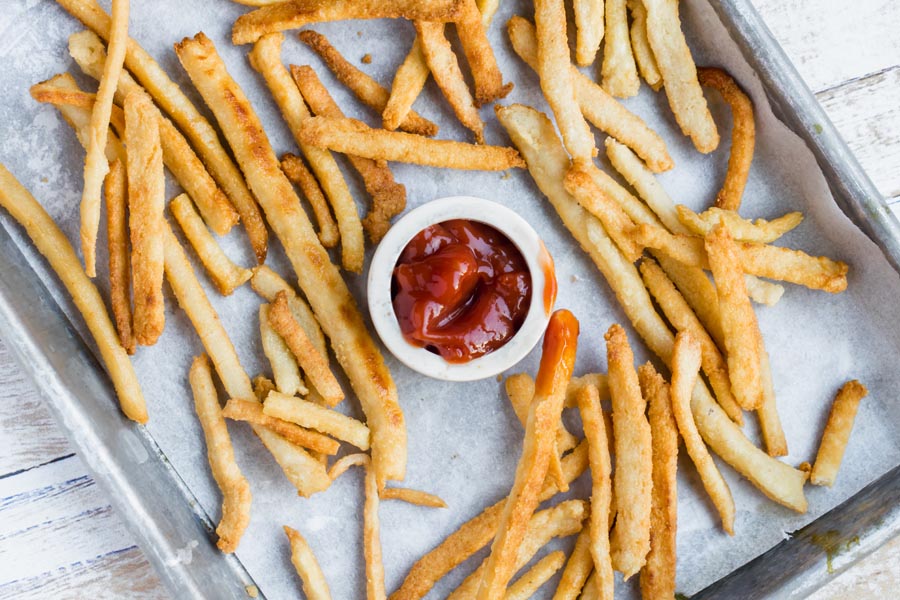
557,360
314,585
95,164
742,336
759,231
299,175
315,365
618,71
411,496
262,385
53,245
364,87
248,28
633,207
87,49
265,58
769,420
486,74
682,318
349,136
743,135
226,275
548,162
591,592
555,73
630,540
146,202
763,292
388,196
445,68
598,107
529,583
589,24
837,433
658,575
119,270
578,568
488,9
252,412
172,100
698,291
284,367
408,82
312,416
236,495
564,519
640,45
334,307
520,390
601,486
679,74
685,365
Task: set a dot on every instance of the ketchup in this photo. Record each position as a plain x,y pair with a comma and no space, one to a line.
461,289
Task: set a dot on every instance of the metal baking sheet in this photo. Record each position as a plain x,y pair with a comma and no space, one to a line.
127,460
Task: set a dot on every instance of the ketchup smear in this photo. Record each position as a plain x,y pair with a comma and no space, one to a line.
461,289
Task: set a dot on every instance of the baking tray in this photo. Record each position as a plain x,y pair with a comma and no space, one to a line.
175,533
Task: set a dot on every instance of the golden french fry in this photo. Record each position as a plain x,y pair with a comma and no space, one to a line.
578,568
590,591
312,416
601,486
589,24
837,433
262,385
364,87
146,202
658,575
332,302
285,370
488,9
555,73
407,85
743,134
619,71
352,137
742,336
226,275
410,496
252,412
445,68
486,74
117,238
520,390
529,583
314,585
760,231
598,107
265,58
633,207
698,291
236,495
679,74
53,245
685,366
248,28
640,45
300,176
388,196
763,292
769,420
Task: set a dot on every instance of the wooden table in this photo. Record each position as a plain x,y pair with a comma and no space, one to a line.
58,535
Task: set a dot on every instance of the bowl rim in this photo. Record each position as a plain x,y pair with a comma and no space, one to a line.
504,220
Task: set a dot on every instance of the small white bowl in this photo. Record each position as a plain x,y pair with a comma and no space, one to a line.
504,220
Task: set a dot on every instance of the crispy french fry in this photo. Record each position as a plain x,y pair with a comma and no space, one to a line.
529,583
619,71
117,237
445,68
760,231
535,136
285,370
591,592
578,568
388,196
590,27
265,58
486,74
640,45
837,433
352,137
312,416
742,337
598,107
557,360
488,9
763,292
769,420
146,202
364,87
172,100
557,81
52,243
407,85
95,164
633,207
743,134
335,308
685,365
226,275
411,496
262,385
86,48
520,390
236,495
314,585
658,575
601,486
299,175
252,412
248,28
698,291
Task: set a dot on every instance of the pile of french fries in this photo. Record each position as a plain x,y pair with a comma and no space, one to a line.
140,123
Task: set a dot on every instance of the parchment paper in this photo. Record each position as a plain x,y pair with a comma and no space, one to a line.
464,440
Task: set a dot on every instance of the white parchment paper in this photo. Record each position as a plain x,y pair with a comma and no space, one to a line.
464,440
